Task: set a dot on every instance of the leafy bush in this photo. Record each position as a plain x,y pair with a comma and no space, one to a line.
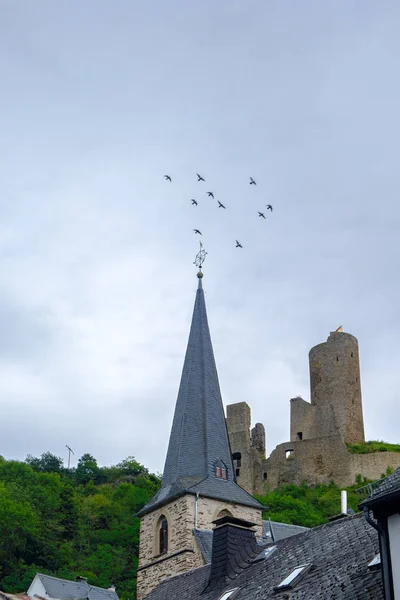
304,505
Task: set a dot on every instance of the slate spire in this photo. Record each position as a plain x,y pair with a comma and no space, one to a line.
199,455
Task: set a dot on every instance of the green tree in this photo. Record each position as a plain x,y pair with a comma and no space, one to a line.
48,463
87,469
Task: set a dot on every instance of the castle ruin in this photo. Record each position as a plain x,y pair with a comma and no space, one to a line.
319,430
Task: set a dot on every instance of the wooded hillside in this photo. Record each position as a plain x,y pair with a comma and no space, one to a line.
82,521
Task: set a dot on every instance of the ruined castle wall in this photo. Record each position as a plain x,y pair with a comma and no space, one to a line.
258,449
302,420
324,460
373,466
238,420
309,461
336,388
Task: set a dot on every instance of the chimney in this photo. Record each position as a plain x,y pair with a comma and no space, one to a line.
111,588
234,548
343,496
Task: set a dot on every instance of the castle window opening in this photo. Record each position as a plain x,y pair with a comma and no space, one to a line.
351,355
163,535
337,359
289,454
265,476
299,435
237,462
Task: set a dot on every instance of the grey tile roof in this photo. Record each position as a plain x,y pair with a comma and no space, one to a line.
70,590
274,531
199,434
280,530
339,552
390,485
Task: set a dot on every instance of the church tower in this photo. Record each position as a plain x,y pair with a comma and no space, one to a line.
199,482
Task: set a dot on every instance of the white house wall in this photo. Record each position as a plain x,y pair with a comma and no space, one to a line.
37,588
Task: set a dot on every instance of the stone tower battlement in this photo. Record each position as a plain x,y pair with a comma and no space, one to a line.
336,405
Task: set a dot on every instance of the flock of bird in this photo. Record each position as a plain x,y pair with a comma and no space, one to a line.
220,205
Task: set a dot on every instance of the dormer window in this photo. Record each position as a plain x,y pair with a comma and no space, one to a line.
220,470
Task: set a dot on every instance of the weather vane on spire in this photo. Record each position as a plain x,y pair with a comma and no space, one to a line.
200,257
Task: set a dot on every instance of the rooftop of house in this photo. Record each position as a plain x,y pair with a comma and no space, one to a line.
64,589
336,556
272,531
199,443
389,485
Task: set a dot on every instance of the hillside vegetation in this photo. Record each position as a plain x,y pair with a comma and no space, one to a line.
372,446
82,521
69,523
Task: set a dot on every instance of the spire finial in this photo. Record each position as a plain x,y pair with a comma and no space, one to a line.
199,260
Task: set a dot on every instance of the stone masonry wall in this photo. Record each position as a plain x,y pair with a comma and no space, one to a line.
238,420
323,460
153,567
250,445
336,388
209,509
183,553
374,465
301,419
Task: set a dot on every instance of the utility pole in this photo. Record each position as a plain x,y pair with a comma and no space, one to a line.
70,451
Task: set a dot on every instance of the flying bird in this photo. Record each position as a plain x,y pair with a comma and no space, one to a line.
197,231
194,201
269,207
210,194
252,182
199,177
168,177
238,244
260,214
220,205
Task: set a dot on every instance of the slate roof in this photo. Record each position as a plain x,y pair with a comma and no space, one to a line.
63,589
338,551
390,485
199,434
274,531
280,531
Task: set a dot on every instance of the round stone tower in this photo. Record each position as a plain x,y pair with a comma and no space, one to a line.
336,388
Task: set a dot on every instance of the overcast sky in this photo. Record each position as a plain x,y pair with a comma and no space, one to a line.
100,99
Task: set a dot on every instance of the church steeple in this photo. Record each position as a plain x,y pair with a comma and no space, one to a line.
199,483
199,456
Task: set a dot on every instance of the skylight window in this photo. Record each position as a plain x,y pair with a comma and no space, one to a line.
294,577
229,594
375,562
265,553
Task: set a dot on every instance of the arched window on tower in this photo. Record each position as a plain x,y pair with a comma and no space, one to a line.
162,535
